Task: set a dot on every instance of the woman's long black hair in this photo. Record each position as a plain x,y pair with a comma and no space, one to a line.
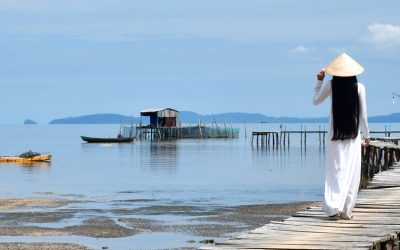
345,107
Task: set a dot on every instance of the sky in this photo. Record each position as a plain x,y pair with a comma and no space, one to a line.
61,58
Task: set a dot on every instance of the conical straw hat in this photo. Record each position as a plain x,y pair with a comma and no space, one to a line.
344,65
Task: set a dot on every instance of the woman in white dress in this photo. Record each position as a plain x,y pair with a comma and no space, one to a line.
348,117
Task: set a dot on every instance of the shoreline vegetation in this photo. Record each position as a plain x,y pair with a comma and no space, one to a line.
31,216
192,117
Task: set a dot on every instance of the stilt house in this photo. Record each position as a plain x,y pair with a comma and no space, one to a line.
165,117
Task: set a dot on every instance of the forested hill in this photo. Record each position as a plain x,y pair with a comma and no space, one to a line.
96,119
192,117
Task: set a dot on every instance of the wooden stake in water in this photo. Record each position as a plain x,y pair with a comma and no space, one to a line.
245,131
201,134
301,135
319,135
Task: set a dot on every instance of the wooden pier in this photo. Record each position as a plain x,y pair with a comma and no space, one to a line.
375,223
394,140
276,139
282,138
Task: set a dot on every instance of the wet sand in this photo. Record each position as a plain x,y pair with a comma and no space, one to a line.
31,217
41,246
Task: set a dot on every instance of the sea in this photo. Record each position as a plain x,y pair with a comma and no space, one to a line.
185,172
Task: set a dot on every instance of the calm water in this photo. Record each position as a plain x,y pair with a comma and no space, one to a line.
218,171
195,172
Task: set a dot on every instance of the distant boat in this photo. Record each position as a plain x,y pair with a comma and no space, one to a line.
119,139
27,157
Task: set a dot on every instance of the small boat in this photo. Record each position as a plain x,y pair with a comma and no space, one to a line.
119,139
27,157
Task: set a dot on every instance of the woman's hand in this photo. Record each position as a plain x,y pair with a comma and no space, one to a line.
321,75
367,142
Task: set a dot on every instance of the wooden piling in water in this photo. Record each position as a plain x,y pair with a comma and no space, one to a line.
282,138
305,139
301,136
273,140
245,130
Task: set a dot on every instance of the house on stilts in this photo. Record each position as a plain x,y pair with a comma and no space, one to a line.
164,124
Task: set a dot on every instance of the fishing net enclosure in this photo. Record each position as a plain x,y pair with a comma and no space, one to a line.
188,131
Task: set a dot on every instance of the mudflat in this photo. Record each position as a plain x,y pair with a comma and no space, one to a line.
68,216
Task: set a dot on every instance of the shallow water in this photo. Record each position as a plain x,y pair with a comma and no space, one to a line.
216,171
189,172
142,241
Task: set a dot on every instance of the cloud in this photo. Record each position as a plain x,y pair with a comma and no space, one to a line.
248,22
258,22
301,50
384,35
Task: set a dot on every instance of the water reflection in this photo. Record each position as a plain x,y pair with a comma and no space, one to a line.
288,156
160,157
38,164
270,156
92,147
28,167
35,167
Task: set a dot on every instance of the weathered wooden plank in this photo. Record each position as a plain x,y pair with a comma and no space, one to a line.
333,231
377,206
380,221
298,246
395,226
284,247
312,241
292,239
309,241
313,230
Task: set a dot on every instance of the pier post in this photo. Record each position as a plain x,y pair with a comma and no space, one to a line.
245,131
284,138
273,140
305,139
201,134
319,135
301,136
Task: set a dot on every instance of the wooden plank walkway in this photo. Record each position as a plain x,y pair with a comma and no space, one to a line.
375,223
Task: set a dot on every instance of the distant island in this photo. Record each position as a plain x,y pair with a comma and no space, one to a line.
96,119
192,117
29,122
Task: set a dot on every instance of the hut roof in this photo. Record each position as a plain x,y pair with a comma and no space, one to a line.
161,112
